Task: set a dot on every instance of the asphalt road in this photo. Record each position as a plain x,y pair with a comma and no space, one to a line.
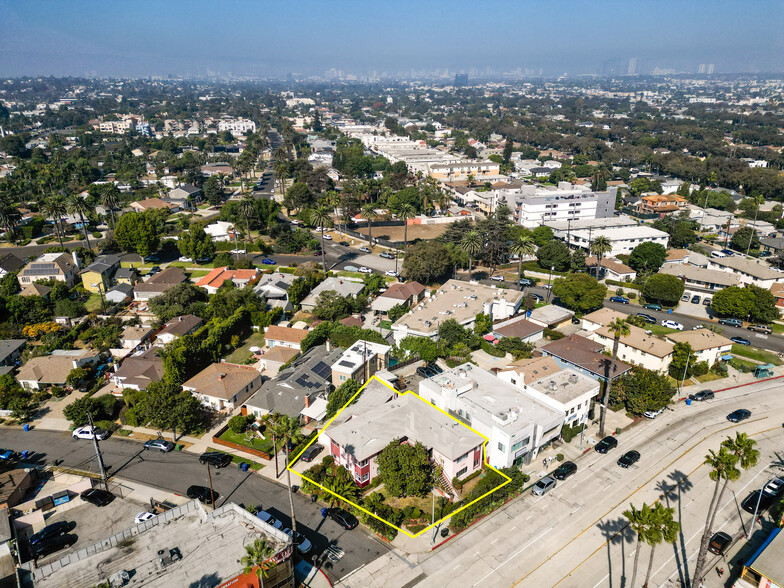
174,472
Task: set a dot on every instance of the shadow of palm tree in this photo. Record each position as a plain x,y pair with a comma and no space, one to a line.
206,581
616,531
671,491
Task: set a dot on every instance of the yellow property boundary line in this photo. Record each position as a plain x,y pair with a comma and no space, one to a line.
355,505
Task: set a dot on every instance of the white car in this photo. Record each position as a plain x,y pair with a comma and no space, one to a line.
497,278
184,259
86,432
295,222
672,325
391,273
142,517
365,270
698,327
652,414
773,487
269,519
328,237
364,249
242,251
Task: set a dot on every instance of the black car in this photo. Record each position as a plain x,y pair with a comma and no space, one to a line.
312,452
757,501
343,518
97,496
739,415
606,444
536,297
202,493
629,459
719,542
565,470
425,372
52,544
53,530
646,317
702,395
215,458
343,243
433,367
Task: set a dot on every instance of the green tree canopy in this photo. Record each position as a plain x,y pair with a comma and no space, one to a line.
179,300
554,254
647,257
581,293
742,237
752,302
639,390
330,306
338,398
139,232
542,235
663,288
405,470
683,361
427,261
196,244
167,406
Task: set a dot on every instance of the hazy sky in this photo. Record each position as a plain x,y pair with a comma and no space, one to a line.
266,37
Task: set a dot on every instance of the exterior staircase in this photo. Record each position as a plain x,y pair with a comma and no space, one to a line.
444,483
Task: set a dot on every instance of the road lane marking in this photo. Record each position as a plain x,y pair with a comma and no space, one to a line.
515,554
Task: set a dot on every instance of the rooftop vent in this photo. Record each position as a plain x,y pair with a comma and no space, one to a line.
572,378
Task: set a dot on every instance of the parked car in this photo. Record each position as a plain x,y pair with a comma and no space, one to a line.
53,530
184,259
652,414
728,252
302,542
52,544
327,237
739,415
565,470
606,444
740,340
215,458
343,243
576,320
702,395
760,329
391,273
757,501
269,519
238,251
497,278
719,542
97,496
386,255
652,306
629,459
524,282
731,322
294,221
695,299
365,249
154,270
774,487
707,301
311,452
685,297
670,324
543,486
433,367
698,327
343,518
267,261
536,297
350,268
646,317
143,517
88,432
161,445
365,270
202,494
619,299
425,372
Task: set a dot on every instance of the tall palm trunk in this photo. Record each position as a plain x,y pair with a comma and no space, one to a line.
57,230
718,502
370,232
114,222
247,234
520,271
608,387
291,494
470,260
84,228
323,251
650,566
636,560
405,238
706,533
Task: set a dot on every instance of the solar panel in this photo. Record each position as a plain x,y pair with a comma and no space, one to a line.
321,369
346,363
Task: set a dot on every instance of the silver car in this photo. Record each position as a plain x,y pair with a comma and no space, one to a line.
543,486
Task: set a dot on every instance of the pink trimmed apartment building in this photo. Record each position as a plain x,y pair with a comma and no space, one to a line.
355,442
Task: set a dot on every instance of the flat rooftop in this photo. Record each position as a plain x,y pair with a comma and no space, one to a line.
565,386
586,223
195,545
457,300
620,233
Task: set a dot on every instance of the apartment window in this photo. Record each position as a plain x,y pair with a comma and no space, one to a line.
501,447
520,444
461,458
365,477
476,462
342,378
461,473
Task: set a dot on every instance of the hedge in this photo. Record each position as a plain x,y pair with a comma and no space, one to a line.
631,285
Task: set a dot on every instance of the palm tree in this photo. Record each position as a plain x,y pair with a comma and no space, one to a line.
75,204
342,488
281,174
471,243
320,218
600,247
523,245
619,328
405,211
641,522
9,217
54,209
288,429
664,529
369,213
258,559
723,464
110,199
247,209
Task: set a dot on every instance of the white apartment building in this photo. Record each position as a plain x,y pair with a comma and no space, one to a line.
637,348
237,126
622,239
747,271
515,423
533,205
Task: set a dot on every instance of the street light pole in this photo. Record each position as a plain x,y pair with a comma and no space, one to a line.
549,287
98,453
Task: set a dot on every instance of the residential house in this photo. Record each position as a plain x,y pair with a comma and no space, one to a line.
550,316
405,294
359,362
601,318
778,293
35,289
276,336
773,244
97,277
213,281
301,389
516,424
9,263
343,287
185,196
748,271
179,326
661,204
224,386
275,290
677,257
584,356
132,337
11,351
610,269
707,345
275,358
119,293
126,275
638,348
154,204
460,301
53,370
518,327
138,371
221,231
159,283
62,267
700,278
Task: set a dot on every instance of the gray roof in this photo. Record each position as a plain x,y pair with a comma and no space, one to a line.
10,262
126,272
10,346
776,243
103,264
342,286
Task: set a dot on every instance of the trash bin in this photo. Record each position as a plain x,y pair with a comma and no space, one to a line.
25,453
244,466
445,531
669,311
688,402
26,427
313,497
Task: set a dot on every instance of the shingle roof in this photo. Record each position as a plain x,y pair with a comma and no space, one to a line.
287,334
403,291
586,354
222,380
700,340
520,328
638,339
180,325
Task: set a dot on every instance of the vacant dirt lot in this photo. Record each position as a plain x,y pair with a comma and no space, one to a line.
414,232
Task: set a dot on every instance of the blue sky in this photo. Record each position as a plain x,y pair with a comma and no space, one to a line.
265,37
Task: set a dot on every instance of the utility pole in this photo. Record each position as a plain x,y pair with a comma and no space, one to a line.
754,229
212,494
98,454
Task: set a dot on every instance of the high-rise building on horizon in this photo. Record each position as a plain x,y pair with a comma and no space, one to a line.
461,80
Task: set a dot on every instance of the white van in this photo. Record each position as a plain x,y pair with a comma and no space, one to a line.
718,254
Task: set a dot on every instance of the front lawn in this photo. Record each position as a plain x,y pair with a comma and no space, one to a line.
255,466
196,274
756,354
778,329
658,330
242,353
93,303
264,445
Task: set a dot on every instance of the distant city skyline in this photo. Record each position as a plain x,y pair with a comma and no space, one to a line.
252,39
